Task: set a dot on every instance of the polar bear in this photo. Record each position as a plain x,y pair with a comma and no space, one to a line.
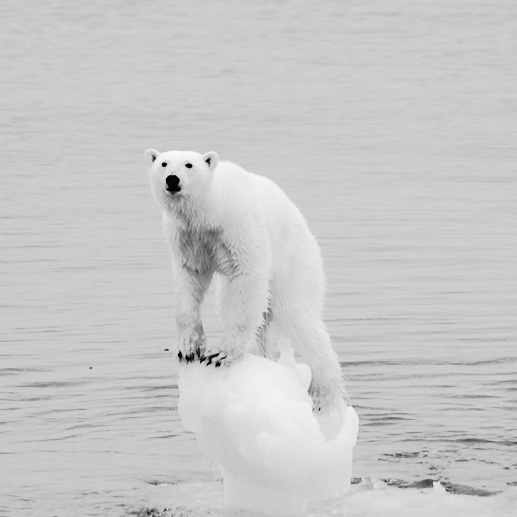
223,221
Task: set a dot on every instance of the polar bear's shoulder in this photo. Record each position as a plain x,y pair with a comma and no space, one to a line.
225,168
234,178
237,176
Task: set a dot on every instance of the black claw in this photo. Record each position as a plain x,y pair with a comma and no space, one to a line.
216,359
180,356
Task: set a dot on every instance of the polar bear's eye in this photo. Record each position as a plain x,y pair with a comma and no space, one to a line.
164,164
188,165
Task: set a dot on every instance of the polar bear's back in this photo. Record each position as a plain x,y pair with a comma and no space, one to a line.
245,192
294,251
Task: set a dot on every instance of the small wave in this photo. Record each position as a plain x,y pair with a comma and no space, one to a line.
426,362
451,488
473,441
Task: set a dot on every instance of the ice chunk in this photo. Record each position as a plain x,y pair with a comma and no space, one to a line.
438,488
255,421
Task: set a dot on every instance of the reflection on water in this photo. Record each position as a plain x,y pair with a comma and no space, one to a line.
391,126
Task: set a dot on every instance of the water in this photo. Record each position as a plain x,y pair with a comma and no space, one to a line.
391,125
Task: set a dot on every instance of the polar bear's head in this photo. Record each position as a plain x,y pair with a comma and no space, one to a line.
179,175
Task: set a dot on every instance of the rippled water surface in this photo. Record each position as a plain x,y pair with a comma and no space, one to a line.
393,127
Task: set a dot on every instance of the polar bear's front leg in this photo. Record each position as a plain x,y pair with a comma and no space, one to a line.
243,301
191,289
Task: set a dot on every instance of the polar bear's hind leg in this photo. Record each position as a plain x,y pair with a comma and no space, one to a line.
308,335
265,335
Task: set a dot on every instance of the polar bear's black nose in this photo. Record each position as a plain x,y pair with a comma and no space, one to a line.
173,183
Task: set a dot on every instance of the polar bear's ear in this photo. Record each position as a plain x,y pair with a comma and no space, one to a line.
211,158
150,155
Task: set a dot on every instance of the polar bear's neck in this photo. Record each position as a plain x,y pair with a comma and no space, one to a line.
200,242
191,215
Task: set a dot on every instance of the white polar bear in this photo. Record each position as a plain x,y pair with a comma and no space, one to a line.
220,219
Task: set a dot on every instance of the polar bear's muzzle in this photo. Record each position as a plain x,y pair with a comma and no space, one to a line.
173,184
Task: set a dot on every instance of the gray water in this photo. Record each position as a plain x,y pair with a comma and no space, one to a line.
392,125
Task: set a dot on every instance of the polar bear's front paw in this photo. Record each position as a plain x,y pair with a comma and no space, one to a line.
192,344
231,348
189,357
218,357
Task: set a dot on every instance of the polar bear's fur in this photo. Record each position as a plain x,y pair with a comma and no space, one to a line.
220,219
